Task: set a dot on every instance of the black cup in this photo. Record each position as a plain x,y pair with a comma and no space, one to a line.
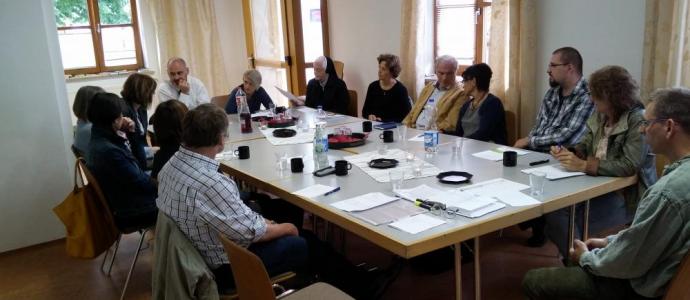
341,167
509,158
296,165
387,136
366,126
242,152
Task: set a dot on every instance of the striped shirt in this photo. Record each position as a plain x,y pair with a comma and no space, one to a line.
204,203
561,120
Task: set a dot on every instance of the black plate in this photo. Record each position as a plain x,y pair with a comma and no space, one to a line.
339,145
454,177
383,163
284,133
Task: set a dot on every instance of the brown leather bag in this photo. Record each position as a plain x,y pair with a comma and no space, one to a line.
89,224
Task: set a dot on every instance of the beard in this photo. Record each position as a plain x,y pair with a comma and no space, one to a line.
553,83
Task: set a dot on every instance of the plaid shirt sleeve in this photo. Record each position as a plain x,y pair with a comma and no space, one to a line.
571,127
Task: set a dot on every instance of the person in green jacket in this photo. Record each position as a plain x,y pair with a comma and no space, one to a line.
637,262
612,146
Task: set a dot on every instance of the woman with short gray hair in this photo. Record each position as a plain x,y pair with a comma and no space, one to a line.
256,95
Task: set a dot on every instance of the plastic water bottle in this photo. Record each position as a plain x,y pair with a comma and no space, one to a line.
427,115
431,134
320,146
320,114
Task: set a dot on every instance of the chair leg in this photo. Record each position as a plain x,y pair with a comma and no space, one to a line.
112,259
134,262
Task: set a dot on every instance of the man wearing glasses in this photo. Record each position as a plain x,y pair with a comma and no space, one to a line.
562,117
637,262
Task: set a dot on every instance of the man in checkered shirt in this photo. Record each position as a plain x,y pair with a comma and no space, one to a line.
562,117
205,203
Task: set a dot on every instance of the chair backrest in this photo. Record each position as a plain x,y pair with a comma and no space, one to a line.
339,68
96,187
251,278
678,288
353,105
221,100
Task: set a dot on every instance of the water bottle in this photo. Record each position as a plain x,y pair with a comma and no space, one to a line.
426,115
240,97
320,114
320,146
245,115
431,134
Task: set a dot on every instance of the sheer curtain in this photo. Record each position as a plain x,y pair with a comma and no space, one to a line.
512,58
188,29
666,58
416,44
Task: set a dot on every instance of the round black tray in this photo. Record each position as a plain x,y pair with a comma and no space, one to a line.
282,124
284,133
383,163
454,177
358,135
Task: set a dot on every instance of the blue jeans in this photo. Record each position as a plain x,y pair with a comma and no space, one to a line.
605,211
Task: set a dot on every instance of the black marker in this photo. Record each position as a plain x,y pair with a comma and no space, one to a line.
539,162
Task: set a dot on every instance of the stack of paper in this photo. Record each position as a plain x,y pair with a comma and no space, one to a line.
314,191
469,204
389,212
363,202
417,223
504,190
497,154
553,172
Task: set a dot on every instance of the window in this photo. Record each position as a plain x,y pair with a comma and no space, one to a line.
98,35
462,30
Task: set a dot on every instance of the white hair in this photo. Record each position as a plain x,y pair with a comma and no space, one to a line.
446,59
321,61
254,76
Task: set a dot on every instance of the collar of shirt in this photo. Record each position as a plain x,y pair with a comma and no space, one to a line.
675,165
325,80
198,161
437,85
580,88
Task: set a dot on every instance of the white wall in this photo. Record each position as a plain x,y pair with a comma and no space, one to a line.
360,30
36,164
607,32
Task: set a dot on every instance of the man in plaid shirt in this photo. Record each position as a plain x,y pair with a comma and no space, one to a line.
566,106
562,117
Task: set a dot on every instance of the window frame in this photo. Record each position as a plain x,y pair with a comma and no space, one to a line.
479,10
95,26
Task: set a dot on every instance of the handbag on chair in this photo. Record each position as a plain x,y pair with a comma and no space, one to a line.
89,225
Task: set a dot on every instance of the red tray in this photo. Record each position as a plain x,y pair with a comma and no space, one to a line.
355,139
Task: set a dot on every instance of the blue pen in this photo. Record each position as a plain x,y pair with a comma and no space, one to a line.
332,191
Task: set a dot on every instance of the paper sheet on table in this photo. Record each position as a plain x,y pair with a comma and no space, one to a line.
469,204
389,212
497,154
421,191
289,95
417,223
553,172
506,191
382,175
302,137
363,202
314,191
417,138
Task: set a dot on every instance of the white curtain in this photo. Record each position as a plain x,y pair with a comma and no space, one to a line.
416,44
188,29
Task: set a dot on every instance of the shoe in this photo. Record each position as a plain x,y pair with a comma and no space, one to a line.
536,240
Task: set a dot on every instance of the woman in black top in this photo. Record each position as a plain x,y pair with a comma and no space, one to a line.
387,99
482,117
138,93
168,128
326,89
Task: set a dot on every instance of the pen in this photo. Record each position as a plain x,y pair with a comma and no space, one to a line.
332,191
538,162
422,205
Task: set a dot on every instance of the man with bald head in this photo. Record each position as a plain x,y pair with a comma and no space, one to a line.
182,86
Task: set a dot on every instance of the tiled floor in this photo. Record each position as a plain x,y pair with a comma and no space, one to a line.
45,272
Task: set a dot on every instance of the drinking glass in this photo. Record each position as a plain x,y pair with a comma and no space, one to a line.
536,182
457,146
397,177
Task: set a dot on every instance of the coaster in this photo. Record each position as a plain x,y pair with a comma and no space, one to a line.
284,133
383,163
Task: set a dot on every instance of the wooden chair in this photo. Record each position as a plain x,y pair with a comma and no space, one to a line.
339,68
253,283
353,105
99,193
221,100
678,288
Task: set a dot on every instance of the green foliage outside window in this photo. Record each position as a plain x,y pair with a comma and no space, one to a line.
76,12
